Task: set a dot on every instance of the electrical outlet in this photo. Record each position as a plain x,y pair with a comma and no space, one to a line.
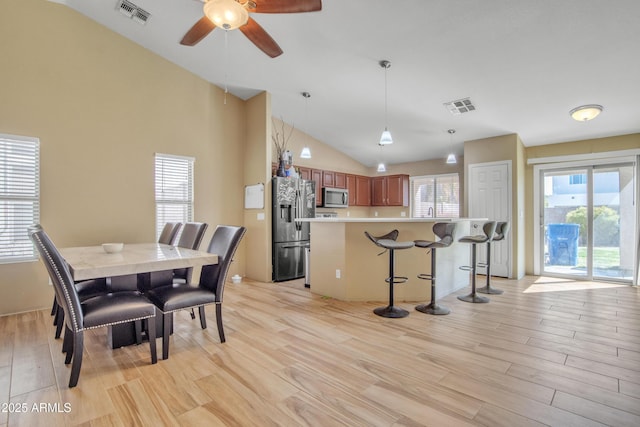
403,213
260,216
348,213
375,213
338,273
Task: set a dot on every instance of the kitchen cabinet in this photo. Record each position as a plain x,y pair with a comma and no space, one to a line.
359,190
305,173
328,179
340,180
316,175
390,190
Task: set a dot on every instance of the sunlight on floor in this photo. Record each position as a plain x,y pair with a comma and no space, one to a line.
553,284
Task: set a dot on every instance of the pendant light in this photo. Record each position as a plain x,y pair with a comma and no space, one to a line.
306,152
385,138
381,167
451,158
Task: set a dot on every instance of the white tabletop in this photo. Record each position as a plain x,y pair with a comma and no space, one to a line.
91,262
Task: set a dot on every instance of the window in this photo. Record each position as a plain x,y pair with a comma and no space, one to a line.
174,190
19,196
578,179
435,196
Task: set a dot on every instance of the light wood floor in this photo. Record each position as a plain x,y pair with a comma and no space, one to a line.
546,352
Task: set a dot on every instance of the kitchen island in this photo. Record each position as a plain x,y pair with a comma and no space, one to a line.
345,264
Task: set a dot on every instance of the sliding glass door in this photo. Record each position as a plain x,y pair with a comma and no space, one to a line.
589,222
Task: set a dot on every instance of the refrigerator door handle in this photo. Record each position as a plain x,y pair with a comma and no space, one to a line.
298,211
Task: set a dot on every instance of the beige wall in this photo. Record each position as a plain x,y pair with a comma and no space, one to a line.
102,106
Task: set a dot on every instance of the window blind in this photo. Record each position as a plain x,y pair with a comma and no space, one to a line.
19,196
435,196
174,190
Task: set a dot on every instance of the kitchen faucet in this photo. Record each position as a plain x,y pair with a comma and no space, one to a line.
430,212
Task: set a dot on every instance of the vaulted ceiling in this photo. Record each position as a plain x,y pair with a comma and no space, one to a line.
523,64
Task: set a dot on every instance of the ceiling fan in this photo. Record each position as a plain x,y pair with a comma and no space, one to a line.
232,14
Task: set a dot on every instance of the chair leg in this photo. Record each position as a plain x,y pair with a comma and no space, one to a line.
472,297
138,327
487,289
167,320
59,321
203,317
54,308
67,345
193,314
78,344
218,320
432,307
151,334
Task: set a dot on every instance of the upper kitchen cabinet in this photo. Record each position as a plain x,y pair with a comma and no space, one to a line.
359,190
390,190
328,179
340,180
316,175
305,173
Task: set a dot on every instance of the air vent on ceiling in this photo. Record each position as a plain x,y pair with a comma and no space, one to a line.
460,106
132,11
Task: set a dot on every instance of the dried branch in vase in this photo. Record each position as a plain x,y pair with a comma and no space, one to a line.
280,138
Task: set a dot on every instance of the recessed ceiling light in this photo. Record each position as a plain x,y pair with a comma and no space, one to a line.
585,113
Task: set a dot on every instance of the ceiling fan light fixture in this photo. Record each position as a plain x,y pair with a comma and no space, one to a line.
226,14
585,113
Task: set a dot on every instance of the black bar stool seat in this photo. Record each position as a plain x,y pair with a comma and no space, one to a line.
489,228
502,228
444,231
389,243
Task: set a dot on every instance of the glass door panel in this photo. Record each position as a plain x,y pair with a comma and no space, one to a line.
614,222
566,198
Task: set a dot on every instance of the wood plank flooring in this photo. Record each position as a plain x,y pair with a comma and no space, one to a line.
546,352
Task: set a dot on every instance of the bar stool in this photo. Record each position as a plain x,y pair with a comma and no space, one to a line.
489,228
388,242
444,231
502,228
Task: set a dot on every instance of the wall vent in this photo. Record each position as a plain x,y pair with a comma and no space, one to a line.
460,106
132,11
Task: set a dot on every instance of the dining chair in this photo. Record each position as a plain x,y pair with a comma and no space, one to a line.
210,289
169,232
86,289
98,311
190,238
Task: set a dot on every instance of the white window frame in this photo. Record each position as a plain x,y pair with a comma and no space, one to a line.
19,187
173,204
415,179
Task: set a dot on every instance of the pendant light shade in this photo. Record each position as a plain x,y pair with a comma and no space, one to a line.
385,138
451,158
381,167
305,153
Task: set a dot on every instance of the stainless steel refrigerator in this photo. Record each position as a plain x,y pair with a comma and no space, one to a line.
292,199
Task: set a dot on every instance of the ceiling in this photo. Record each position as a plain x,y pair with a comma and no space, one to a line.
523,64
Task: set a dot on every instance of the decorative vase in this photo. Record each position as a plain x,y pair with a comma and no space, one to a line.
281,171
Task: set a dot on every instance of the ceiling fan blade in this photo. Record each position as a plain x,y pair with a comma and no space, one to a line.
286,6
201,28
261,38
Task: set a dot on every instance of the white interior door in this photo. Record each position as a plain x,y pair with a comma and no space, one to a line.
489,196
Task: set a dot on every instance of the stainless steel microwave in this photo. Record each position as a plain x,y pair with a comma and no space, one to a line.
335,198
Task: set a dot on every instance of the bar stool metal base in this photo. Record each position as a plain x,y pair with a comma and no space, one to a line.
473,298
489,290
391,311
433,308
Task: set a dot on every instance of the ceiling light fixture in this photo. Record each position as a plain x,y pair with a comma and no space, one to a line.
381,167
226,14
451,158
585,113
385,138
306,152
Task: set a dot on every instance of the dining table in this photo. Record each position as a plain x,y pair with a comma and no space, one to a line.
135,267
